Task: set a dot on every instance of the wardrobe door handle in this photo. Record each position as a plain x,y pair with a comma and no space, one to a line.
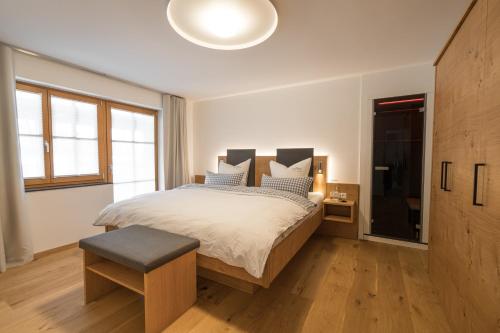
446,176
476,173
442,175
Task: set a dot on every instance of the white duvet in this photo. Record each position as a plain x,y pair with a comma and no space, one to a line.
238,228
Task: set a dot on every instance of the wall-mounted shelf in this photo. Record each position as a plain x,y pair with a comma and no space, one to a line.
338,211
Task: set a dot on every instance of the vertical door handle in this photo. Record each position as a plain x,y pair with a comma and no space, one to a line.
476,174
445,187
442,175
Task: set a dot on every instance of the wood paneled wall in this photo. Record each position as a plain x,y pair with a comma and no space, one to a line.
464,245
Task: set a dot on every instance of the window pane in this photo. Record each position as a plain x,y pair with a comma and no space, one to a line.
29,112
74,131
128,190
123,162
132,126
133,162
75,157
144,159
123,191
32,156
73,118
122,125
30,125
144,128
133,136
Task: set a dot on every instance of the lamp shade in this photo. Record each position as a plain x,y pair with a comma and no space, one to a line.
223,24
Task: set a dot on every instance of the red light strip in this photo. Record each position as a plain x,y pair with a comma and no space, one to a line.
402,101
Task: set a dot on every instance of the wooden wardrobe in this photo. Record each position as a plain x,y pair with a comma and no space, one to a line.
464,245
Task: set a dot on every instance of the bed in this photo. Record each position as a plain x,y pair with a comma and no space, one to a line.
241,268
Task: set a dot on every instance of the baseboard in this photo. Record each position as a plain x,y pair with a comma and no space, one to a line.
412,245
45,253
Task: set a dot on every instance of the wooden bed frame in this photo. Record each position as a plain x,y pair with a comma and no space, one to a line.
281,254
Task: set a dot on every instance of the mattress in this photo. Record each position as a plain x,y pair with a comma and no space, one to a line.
317,198
292,228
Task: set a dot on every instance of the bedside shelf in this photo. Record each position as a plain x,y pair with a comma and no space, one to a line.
338,218
347,203
338,211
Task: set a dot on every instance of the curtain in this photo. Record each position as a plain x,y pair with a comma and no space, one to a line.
15,241
175,142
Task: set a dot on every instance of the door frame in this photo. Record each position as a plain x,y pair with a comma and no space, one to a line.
366,159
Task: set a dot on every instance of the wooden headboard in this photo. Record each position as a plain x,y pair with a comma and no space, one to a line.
262,167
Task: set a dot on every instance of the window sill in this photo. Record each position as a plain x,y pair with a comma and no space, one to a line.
38,188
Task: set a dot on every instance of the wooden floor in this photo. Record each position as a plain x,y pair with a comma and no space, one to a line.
332,285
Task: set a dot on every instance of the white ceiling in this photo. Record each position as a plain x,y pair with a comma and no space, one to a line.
131,40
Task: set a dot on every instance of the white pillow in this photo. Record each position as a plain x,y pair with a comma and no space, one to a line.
298,170
243,167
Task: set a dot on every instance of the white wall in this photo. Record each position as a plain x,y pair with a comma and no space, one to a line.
323,115
63,216
60,217
333,116
56,75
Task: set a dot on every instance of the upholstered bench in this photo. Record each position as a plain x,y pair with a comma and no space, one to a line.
157,264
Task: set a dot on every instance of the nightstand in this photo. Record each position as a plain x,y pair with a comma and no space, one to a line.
338,211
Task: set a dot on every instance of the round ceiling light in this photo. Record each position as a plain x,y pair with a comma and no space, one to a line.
223,24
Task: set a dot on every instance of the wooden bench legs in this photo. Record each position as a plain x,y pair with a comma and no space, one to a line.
168,290
95,285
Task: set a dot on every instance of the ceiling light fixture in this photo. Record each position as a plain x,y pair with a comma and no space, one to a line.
223,24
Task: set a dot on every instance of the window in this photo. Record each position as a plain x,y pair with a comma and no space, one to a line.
62,137
68,139
78,138
133,150
32,126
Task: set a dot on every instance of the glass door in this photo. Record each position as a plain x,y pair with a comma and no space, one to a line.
398,132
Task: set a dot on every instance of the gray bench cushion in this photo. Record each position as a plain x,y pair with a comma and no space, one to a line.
140,248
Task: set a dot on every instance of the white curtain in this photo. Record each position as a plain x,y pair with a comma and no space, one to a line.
15,241
175,141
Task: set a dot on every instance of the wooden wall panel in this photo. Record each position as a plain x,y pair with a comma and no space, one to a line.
464,246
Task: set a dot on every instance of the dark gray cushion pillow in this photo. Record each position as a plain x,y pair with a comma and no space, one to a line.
298,186
223,178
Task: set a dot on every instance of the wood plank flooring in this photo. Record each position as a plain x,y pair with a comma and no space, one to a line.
332,285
